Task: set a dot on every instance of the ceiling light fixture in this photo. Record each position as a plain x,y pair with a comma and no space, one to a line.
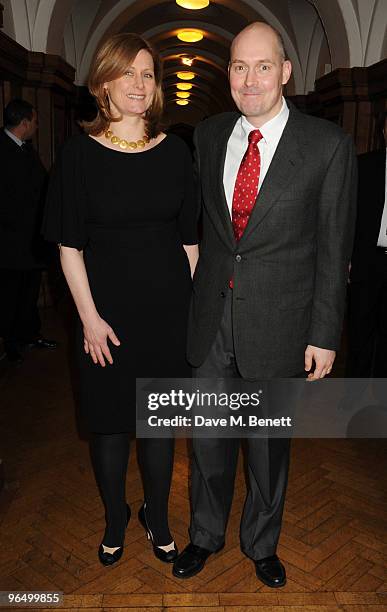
187,60
183,94
182,102
185,75
193,5
190,36
184,86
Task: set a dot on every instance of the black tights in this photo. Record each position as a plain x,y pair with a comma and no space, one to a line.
155,457
110,453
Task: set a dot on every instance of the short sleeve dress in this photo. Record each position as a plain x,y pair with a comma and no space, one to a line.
130,214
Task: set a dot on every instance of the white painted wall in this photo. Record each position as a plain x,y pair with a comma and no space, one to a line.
8,26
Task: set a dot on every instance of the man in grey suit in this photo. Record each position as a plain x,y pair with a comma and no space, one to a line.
278,195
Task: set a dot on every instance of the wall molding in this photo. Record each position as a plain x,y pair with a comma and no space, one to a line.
36,69
353,98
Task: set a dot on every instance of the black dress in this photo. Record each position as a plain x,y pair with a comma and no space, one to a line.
130,213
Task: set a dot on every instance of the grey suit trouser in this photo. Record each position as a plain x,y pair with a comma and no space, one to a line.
214,466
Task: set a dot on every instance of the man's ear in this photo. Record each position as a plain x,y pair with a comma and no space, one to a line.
23,124
286,71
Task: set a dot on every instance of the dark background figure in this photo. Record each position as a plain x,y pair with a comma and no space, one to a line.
367,320
22,251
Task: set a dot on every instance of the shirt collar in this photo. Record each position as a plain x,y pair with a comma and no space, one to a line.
14,138
271,127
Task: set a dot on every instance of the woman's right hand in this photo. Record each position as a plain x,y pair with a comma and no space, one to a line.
96,332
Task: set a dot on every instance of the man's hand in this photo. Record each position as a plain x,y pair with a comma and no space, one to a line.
323,359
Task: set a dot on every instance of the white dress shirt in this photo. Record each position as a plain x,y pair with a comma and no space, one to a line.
14,138
238,142
382,240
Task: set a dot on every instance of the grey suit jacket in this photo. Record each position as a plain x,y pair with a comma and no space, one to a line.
290,267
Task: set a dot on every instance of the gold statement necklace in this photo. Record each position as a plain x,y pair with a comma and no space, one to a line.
126,144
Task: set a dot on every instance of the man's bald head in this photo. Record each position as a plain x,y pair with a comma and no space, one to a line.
258,28
258,71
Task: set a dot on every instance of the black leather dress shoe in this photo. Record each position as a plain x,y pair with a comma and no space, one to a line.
166,556
13,355
191,561
107,558
43,343
271,571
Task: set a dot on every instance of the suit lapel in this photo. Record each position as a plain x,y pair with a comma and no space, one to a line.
379,188
287,161
10,144
219,157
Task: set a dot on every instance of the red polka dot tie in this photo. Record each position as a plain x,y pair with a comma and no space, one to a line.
246,185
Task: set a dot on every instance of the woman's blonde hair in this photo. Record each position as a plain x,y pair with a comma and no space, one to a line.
110,62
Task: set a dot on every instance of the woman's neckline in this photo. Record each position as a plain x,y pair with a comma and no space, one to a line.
140,152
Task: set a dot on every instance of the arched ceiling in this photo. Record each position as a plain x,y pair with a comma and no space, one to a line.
160,21
319,35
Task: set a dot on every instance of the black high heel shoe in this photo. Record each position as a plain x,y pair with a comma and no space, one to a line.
166,557
107,558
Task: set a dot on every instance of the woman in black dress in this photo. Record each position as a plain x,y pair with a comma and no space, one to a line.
121,206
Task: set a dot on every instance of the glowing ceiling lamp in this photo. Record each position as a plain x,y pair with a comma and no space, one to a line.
186,75
182,102
193,5
183,94
190,36
187,60
184,86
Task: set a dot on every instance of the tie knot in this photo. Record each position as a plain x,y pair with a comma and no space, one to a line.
255,136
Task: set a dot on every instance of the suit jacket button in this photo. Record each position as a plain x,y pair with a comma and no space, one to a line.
238,258
222,294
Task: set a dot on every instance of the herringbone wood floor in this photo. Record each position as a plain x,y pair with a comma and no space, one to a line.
334,538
